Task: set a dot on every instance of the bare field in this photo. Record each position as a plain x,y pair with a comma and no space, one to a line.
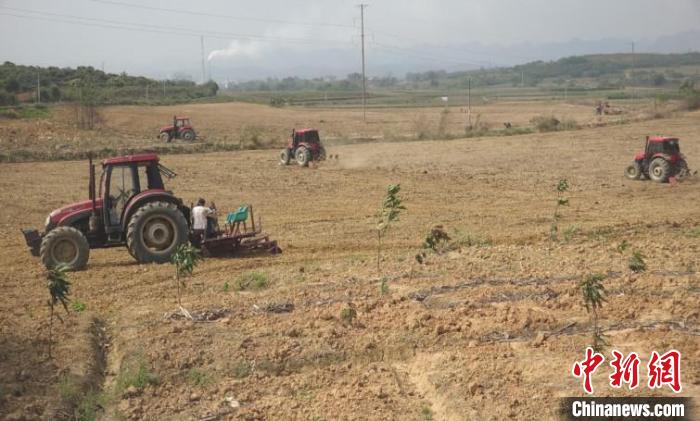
487,331
229,126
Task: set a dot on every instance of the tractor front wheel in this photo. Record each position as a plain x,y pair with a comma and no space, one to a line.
659,170
285,156
165,137
155,231
65,246
187,135
303,156
633,171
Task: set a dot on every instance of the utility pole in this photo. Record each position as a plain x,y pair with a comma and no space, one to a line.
522,79
147,92
163,88
364,78
634,89
38,88
469,102
201,39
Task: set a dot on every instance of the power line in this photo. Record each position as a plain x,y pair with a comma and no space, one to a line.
106,23
193,12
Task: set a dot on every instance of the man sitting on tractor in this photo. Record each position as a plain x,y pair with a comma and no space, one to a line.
200,221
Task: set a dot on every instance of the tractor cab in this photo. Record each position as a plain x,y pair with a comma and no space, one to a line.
663,145
305,136
124,179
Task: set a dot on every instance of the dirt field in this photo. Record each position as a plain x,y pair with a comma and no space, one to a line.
489,330
234,126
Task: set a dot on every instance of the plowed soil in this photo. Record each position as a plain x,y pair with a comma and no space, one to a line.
487,330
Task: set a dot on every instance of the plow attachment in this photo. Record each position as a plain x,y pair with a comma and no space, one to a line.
238,238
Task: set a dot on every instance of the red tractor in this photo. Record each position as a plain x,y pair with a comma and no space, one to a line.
303,146
131,208
660,160
181,129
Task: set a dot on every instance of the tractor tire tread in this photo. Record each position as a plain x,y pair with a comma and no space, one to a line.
82,243
135,247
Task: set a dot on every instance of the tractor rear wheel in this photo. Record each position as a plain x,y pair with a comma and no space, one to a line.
303,156
681,169
155,231
187,135
165,137
633,171
285,156
659,170
65,246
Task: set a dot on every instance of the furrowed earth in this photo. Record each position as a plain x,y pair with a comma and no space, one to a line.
489,329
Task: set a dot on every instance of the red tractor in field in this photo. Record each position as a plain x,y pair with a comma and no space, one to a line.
131,208
660,160
181,129
303,146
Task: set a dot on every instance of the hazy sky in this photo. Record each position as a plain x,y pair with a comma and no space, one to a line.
278,37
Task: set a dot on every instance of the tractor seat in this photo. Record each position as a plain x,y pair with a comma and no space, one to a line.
239,215
234,219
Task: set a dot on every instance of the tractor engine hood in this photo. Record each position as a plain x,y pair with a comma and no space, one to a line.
57,215
167,128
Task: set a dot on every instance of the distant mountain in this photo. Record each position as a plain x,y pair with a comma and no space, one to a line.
387,59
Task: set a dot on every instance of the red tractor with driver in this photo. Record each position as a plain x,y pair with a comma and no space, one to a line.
303,146
181,129
131,208
660,160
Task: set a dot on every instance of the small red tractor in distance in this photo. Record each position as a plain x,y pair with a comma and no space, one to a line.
304,146
660,160
132,209
181,129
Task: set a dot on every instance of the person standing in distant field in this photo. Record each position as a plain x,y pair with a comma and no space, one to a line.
200,215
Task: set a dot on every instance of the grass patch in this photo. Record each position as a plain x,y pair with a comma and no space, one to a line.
199,378
694,232
426,414
26,112
242,369
78,306
637,263
86,406
135,372
469,239
251,281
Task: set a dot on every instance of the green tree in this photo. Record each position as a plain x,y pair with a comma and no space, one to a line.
59,291
562,200
388,214
185,259
593,294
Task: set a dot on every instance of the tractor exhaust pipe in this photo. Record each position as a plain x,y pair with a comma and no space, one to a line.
92,223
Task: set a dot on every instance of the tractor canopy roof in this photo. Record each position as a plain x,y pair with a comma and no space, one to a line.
303,131
662,139
182,117
129,159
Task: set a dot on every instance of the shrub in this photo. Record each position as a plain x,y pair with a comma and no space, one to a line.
546,124
637,263
251,281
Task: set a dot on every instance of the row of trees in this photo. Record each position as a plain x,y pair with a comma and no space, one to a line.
18,82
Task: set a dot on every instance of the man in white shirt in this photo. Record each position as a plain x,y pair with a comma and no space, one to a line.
200,213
